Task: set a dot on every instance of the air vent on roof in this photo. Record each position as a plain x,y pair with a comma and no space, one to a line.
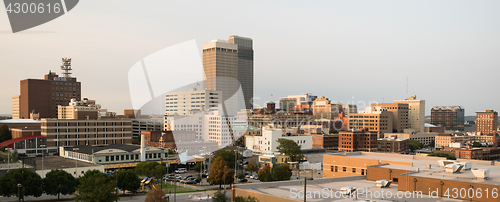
453,168
443,163
383,183
481,173
467,165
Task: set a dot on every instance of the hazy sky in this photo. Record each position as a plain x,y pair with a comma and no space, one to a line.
349,51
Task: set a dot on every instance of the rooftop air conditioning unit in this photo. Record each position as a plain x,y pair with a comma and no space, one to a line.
453,168
383,183
443,163
467,165
481,173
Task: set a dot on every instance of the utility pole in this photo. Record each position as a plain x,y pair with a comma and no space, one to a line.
305,185
76,161
42,159
8,159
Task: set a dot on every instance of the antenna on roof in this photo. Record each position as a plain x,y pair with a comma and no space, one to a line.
66,67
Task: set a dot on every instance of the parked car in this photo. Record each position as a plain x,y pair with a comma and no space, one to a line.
255,177
181,170
203,175
243,180
247,176
245,162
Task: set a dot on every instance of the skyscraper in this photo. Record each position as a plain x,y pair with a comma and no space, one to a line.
451,117
224,61
416,113
245,66
45,95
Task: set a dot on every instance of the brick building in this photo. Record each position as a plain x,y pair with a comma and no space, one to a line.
451,117
393,145
486,122
357,141
399,114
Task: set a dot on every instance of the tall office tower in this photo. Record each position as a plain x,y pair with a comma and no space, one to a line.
220,65
451,117
45,95
486,122
416,113
245,67
400,115
15,106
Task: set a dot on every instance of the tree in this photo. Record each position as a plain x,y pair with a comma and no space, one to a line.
265,174
439,154
476,144
415,145
155,195
197,167
147,168
220,196
252,167
219,173
57,182
240,176
228,156
247,199
282,172
128,180
290,148
5,133
96,186
32,183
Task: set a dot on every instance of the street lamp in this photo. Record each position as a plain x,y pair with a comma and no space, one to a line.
43,146
76,161
305,184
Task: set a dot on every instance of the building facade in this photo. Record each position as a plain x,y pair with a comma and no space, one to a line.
376,119
188,102
451,117
486,122
15,106
416,113
245,67
267,142
393,145
400,113
79,110
358,141
45,95
324,109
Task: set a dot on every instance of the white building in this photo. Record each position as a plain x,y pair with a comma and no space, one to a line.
187,102
416,113
305,97
216,129
192,122
267,143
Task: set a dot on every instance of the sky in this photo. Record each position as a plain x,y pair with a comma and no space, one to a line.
349,51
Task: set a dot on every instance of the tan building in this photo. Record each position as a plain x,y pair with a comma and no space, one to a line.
393,145
79,110
324,109
486,122
416,113
25,132
15,106
400,115
375,119
69,132
424,138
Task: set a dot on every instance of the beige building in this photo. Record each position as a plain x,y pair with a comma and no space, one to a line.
188,102
324,109
486,122
424,138
400,115
376,119
15,106
416,113
86,109
70,132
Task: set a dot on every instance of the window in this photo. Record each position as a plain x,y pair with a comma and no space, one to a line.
112,158
353,170
331,168
344,169
362,171
336,169
107,159
122,157
395,179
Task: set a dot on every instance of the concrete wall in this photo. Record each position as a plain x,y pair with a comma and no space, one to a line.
260,196
298,182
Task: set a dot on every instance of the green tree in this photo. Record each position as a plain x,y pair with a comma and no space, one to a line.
57,182
290,148
414,145
219,173
447,156
240,176
282,172
252,167
197,167
147,168
220,196
476,144
96,186
5,133
32,183
265,174
155,195
228,156
128,180
247,199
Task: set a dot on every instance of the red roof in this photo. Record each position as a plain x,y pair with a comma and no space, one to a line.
12,141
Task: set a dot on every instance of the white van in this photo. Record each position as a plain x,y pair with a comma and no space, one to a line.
181,170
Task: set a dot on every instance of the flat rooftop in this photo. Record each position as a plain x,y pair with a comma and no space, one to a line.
57,162
435,171
331,192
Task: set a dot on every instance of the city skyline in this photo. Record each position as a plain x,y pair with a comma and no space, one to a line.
444,49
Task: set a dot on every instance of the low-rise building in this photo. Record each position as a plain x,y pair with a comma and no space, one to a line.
376,119
362,140
424,138
273,160
267,142
393,145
